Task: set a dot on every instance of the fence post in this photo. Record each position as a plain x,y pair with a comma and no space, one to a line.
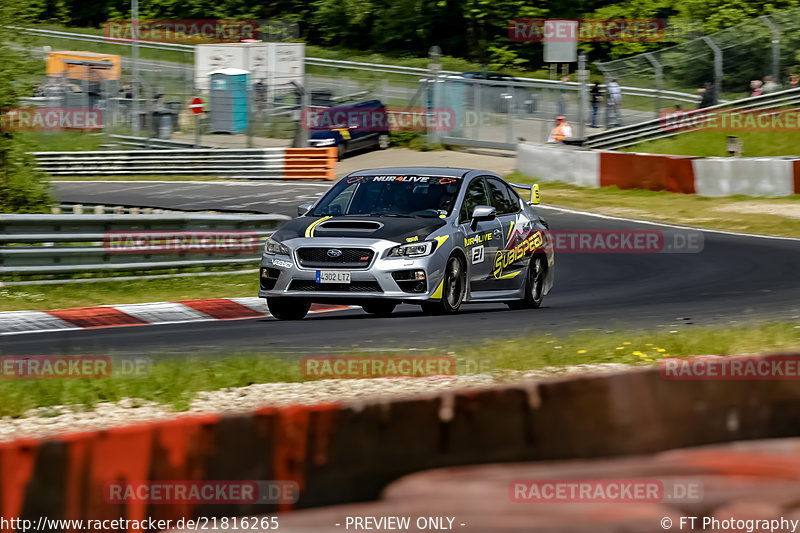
135,67
658,69
583,99
776,47
717,66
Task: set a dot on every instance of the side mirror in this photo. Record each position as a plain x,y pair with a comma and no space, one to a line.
302,209
483,212
535,198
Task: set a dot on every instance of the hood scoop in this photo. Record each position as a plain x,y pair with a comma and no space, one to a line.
367,226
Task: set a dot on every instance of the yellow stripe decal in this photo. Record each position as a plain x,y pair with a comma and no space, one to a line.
310,229
440,240
511,227
510,275
438,292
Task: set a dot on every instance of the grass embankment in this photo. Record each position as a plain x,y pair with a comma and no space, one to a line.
174,382
715,144
771,216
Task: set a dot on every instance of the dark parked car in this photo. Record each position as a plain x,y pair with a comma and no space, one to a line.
350,127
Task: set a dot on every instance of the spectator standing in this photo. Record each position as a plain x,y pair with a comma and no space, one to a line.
596,98
613,103
708,96
770,86
756,86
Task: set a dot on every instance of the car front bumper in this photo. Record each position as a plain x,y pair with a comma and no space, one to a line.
374,282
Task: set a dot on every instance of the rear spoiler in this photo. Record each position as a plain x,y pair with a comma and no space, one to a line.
534,188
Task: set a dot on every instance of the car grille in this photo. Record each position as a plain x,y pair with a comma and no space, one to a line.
353,258
356,286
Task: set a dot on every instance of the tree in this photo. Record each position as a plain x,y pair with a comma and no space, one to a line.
23,188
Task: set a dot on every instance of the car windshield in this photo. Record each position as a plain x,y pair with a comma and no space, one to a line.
390,195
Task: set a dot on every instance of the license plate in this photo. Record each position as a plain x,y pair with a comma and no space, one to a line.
332,276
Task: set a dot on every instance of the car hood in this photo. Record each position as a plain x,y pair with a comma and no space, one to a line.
398,229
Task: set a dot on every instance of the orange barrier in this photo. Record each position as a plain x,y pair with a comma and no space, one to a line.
310,163
796,175
649,172
345,453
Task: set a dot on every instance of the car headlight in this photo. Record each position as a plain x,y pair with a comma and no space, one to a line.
414,249
324,142
273,247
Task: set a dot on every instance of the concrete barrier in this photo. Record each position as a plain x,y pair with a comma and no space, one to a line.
340,453
750,176
691,175
559,163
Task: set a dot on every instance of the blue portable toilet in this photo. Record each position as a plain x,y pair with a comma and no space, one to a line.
228,89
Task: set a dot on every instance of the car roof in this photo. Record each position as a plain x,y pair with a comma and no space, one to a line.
419,171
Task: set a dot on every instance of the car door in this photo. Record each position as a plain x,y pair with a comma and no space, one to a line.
509,263
482,238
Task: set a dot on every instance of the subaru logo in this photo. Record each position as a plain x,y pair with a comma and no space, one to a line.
334,252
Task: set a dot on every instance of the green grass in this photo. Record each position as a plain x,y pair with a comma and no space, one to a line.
37,297
62,141
714,143
175,381
772,216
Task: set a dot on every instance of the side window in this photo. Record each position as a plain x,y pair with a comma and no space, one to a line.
502,199
475,196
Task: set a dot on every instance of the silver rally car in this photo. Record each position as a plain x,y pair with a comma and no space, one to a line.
433,236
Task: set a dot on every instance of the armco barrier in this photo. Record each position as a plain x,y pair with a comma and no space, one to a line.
706,176
340,453
256,163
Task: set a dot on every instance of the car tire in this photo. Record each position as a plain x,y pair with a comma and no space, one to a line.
288,308
383,141
454,289
379,308
534,285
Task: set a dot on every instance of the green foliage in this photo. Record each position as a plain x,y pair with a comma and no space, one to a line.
476,30
22,185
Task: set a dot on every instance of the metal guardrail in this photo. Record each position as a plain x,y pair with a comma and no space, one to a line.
654,129
263,162
151,142
74,244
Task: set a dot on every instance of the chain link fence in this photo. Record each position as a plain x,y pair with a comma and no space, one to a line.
726,62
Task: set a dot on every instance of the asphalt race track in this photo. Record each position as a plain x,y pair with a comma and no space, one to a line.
735,280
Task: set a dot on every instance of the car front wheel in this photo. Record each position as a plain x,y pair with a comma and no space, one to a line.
534,286
288,308
454,289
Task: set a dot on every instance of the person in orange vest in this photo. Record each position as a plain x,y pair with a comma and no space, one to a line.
562,131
